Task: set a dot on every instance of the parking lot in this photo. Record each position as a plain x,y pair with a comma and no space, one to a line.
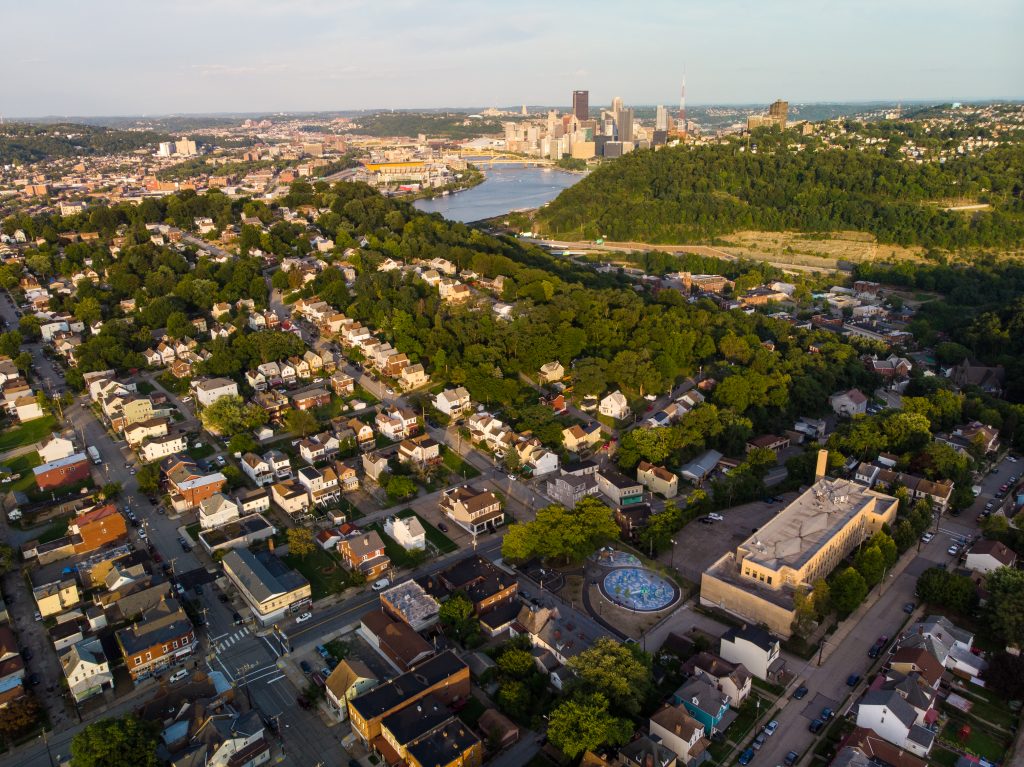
700,545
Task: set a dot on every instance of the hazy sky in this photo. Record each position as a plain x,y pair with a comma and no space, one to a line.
107,57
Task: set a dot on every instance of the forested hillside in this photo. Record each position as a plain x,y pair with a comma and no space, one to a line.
24,142
692,194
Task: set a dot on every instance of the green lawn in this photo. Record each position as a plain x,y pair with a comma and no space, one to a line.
198,453
324,572
27,433
59,493
441,542
145,387
457,465
58,528
943,758
980,742
22,465
193,531
399,556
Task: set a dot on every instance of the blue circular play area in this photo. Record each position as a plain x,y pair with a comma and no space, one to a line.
640,589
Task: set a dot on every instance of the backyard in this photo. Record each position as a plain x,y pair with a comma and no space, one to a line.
399,556
26,434
439,540
23,465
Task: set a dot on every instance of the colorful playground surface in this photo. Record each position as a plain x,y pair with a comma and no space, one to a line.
637,588
609,557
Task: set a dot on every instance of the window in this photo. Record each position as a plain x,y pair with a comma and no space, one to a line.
149,656
769,580
184,641
138,660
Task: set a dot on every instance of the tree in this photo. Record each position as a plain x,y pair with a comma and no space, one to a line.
456,615
619,672
19,716
1005,608
562,534
148,477
582,724
7,558
1005,675
944,589
301,422
231,415
870,563
848,590
115,742
515,663
111,490
300,541
242,443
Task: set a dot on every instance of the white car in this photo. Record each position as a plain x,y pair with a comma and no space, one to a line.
716,517
304,617
380,584
953,550
142,534
927,537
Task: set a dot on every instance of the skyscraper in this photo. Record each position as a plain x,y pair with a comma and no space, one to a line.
617,104
661,118
581,105
779,111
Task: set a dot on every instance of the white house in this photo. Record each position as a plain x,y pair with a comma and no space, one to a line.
849,403
679,732
209,391
160,447
453,402
257,469
755,648
615,406
892,718
86,668
408,533
217,510
986,556
290,497
55,447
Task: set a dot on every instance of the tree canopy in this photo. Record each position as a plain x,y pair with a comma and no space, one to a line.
561,534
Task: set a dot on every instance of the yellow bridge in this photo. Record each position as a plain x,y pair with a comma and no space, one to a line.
494,157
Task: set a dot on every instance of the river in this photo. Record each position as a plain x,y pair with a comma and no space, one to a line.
505,189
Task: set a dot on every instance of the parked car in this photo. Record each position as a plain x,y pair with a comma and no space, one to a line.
442,527
827,713
852,680
759,741
236,618
322,651
380,584
816,726
716,517
304,617
953,550
927,537
800,692
876,648
771,727
306,668
747,756
791,759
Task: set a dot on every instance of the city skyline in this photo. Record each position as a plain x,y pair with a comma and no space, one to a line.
227,56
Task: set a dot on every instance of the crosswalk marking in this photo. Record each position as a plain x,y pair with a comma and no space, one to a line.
230,640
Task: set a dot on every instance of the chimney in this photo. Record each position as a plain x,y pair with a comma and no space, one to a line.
822,468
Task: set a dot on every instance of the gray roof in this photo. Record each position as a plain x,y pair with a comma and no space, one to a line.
892,700
699,692
256,576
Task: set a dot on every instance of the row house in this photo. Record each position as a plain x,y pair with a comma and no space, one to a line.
342,384
311,398
420,451
488,431
158,448
164,637
938,493
397,423
291,497
536,458
135,434
273,402
319,447
187,486
322,486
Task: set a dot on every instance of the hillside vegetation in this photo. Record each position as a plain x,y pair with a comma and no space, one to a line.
25,142
691,194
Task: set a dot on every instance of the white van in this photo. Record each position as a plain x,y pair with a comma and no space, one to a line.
381,584
178,675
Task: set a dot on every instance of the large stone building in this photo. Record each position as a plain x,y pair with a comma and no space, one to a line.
802,543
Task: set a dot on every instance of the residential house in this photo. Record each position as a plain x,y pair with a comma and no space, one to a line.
252,501
618,488
453,402
348,479
55,447
753,647
772,442
311,398
988,555
209,391
350,678
615,406
54,592
535,458
490,588
570,489
365,553
63,471
342,384
889,715
486,430
577,437
266,584
551,372
731,678
448,745
657,479
274,403
186,486
396,423
319,447
27,408
476,511
990,380
363,432
86,669
279,463
322,485
257,469
410,603
374,466
290,497
158,448
407,532
163,638
93,529
420,451
413,377
135,434
676,730
849,403
217,510
706,703
555,637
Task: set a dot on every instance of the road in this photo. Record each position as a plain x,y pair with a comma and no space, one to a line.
884,615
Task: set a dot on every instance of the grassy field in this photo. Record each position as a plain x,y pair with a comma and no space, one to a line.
457,465
324,572
198,453
982,743
27,433
441,542
23,465
399,556
56,529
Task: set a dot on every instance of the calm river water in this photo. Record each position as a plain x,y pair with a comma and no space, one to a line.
506,188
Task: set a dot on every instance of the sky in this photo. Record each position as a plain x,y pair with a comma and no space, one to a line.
140,57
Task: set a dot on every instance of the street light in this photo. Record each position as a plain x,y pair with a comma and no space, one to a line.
674,544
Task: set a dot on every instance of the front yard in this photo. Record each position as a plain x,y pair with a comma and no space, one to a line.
439,540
